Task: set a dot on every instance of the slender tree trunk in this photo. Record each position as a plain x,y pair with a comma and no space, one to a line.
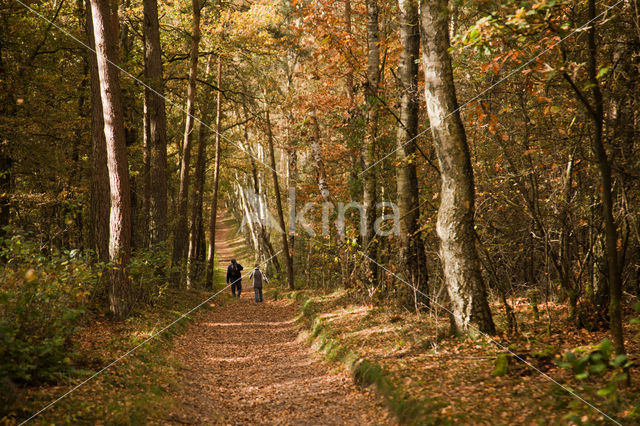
156,120
78,139
120,214
181,232
369,198
264,239
197,195
292,178
216,182
146,175
100,200
6,163
285,243
455,216
248,210
412,254
611,233
323,186
7,109
196,209
316,154
349,73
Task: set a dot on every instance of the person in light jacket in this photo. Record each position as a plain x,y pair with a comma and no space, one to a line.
258,278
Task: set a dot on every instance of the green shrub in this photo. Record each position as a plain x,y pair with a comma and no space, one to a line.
149,270
596,361
41,299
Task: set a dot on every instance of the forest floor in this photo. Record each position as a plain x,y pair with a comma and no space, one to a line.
235,361
243,363
430,377
134,390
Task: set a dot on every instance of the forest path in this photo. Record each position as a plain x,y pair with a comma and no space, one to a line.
242,364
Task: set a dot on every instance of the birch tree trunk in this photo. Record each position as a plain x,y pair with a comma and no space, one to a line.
264,239
369,198
323,186
455,216
181,228
412,255
156,119
249,213
285,243
120,212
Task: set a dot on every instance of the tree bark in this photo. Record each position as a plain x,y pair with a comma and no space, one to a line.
264,239
146,174
6,163
349,73
325,192
100,202
606,196
455,216
120,213
316,154
292,178
181,231
412,255
156,119
216,181
196,225
283,230
368,149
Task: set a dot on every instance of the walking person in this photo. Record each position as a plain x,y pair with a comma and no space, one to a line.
258,277
234,277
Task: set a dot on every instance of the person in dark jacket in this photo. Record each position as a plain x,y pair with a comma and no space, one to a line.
234,277
258,278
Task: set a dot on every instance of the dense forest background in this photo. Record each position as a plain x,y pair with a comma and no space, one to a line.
506,133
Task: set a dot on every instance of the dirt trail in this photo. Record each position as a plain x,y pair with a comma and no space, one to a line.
242,364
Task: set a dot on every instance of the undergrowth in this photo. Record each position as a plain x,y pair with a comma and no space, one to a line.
55,332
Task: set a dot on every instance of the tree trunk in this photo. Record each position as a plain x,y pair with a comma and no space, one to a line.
325,192
216,182
264,239
292,178
283,230
120,214
455,216
100,202
248,212
368,148
611,234
349,73
412,254
6,163
181,231
146,174
156,119
196,227
318,163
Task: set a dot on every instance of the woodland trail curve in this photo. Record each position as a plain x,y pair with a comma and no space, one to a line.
242,363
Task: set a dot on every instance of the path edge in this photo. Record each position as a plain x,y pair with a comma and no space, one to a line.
365,373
